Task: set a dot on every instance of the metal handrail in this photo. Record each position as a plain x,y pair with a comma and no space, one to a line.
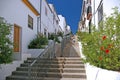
48,53
63,44
42,54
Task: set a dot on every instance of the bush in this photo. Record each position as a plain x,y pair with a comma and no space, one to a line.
56,39
6,46
102,47
60,34
53,37
38,42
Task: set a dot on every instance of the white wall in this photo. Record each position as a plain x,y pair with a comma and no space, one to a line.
36,4
15,11
108,5
62,22
107,8
68,30
55,18
46,21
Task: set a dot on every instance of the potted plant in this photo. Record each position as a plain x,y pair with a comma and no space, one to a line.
37,45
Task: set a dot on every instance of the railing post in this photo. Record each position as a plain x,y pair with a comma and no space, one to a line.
62,48
29,72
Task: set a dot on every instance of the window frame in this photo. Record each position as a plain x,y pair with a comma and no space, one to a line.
30,22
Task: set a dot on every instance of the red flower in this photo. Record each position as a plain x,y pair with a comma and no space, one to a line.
104,37
100,58
107,51
102,48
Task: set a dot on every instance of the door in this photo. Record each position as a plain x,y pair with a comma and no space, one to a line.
16,38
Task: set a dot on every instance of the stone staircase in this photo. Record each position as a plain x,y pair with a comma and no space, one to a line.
69,68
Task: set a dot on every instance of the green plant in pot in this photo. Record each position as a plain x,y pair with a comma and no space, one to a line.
38,42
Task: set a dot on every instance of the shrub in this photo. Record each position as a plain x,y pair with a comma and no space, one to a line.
56,39
38,42
60,34
6,45
53,37
102,47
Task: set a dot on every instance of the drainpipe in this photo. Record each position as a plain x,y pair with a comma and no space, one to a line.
90,26
94,12
40,13
38,24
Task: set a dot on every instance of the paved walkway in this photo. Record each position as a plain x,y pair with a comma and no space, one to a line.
71,49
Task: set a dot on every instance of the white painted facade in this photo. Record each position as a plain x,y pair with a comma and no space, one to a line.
99,8
68,30
107,8
16,12
46,18
62,23
83,23
55,19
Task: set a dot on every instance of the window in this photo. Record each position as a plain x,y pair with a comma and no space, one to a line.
57,22
45,11
88,1
30,22
89,12
100,13
45,32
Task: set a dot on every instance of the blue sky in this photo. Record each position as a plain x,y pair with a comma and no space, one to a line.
70,9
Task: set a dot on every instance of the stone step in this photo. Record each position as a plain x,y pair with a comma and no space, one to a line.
46,59
51,69
32,78
37,74
55,65
73,79
58,58
55,62
50,74
74,70
67,70
40,78
43,65
40,69
74,66
74,75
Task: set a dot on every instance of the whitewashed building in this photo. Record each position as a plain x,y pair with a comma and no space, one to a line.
28,17
86,14
101,7
46,18
68,30
55,19
62,23
93,12
23,15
